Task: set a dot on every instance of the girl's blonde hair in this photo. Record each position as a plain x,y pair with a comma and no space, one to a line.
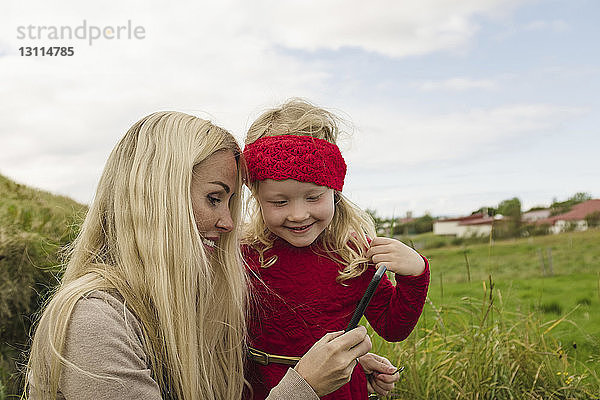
139,238
344,240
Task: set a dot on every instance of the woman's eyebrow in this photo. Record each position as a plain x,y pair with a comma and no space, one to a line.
224,185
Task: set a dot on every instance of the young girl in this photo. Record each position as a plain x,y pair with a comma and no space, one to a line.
308,249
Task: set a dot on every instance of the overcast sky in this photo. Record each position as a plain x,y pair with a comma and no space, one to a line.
452,105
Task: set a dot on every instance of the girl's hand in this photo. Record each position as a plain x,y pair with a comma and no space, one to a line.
381,374
397,257
329,363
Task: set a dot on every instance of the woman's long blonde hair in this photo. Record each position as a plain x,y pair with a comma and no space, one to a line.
140,239
345,238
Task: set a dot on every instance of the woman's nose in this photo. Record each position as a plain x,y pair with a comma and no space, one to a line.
225,222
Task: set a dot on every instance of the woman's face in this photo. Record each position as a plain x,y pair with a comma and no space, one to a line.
213,183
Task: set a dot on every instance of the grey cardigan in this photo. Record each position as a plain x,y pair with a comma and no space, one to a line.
105,338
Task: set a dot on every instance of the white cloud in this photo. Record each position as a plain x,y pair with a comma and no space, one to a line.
458,84
539,25
392,28
387,27
399,139
556,26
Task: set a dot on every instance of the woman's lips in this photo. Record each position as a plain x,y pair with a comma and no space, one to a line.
210,243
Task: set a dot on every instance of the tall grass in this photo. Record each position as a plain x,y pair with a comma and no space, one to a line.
479,350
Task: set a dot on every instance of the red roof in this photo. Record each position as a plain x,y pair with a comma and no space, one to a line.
478,221
577,213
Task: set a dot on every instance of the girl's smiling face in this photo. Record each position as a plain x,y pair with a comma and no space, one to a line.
297,212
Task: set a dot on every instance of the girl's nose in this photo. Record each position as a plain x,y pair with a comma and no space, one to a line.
298,213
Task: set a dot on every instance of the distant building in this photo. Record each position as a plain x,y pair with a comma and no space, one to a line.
389,228
472,225
532,216
573,219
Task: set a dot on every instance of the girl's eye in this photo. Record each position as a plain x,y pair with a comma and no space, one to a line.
313,198
278,203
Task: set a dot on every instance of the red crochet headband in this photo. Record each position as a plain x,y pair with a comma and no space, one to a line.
303,158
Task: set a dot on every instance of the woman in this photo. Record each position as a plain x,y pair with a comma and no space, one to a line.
152,300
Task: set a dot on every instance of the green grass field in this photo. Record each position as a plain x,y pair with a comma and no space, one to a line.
535,334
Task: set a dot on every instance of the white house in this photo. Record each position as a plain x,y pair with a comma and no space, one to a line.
532,216
472,225
575,218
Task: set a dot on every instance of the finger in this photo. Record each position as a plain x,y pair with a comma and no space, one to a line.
351,338
388,379
381,365
379,248
371,386
381,359
382,249
346,372
361,348
379,387
328,337
381,240
381,258
382,388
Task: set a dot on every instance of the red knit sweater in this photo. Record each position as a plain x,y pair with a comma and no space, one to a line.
300,301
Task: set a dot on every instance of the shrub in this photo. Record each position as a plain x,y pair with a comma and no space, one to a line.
536,230
593,219
456,241
435,243
551,308
584,301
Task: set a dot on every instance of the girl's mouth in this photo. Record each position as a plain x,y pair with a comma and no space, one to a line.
300,229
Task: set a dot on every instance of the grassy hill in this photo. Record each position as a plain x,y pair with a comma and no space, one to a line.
34,226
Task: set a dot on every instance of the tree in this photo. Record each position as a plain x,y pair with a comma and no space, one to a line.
580,197
489,211
511,210
561,207
376,219
593,219
423,224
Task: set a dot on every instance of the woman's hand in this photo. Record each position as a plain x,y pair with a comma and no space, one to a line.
329,363
381,374
397,257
